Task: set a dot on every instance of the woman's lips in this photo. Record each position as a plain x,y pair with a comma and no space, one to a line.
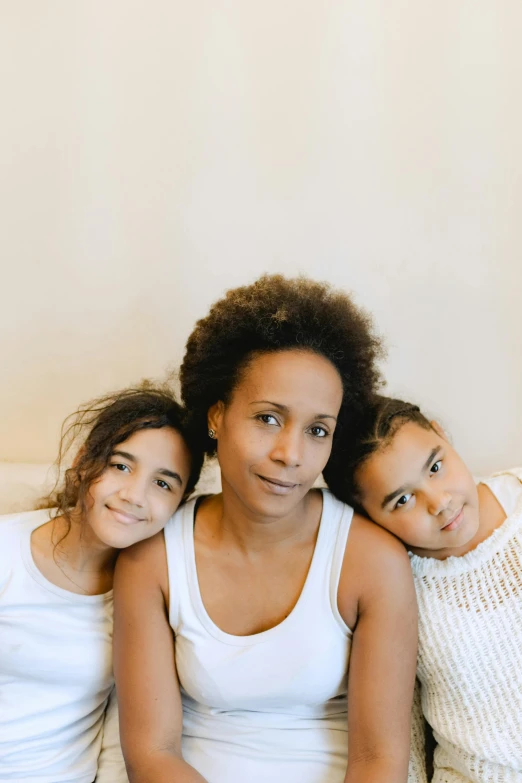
454,521
276,486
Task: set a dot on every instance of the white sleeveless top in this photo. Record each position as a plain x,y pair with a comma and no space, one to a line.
55,670
271,706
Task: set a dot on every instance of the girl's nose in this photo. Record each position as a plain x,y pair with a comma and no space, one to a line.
133,491
439,502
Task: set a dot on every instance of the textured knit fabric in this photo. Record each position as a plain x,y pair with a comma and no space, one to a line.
271,706
470,652
55,672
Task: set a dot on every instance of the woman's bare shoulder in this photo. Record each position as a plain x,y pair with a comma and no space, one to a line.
375,563
144,564
147,551
376,542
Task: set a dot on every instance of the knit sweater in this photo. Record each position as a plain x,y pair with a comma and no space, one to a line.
470,654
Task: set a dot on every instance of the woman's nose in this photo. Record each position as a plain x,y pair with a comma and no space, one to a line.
288,448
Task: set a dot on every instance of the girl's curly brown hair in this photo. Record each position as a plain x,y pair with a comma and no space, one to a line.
98,426
277,314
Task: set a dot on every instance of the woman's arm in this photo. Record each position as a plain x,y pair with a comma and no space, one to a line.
417,772
145,668
384,651
111,767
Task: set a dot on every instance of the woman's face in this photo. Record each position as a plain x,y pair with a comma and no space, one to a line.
418,488
140,488
274,436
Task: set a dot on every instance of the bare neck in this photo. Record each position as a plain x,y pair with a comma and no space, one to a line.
72,557
227,517
80,547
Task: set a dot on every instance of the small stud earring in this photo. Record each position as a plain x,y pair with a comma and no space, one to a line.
212,433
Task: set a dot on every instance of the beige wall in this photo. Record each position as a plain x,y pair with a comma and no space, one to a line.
155,153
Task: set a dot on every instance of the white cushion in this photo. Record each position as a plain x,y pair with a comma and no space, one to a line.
23,485
210,480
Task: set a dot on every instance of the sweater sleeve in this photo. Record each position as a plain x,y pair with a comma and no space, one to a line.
111,766
417,767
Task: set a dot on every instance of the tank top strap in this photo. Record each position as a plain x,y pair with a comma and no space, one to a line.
335,526
177,532
321,584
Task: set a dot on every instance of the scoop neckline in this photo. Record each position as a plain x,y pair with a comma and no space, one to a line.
458,564
36,574
262,636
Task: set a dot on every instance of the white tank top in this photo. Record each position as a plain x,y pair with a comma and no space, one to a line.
55,667
271,706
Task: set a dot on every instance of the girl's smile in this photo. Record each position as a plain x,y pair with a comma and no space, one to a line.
418,488
455,521
140,488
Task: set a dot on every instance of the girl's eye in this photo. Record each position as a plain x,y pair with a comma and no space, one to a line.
318,432
163,484
119,466
267,418
402,500
436,466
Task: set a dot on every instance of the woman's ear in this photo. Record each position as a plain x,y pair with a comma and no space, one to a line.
215,416
439,430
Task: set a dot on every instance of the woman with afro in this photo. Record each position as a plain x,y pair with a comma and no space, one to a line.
269,634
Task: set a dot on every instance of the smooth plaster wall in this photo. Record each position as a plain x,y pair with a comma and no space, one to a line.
154,154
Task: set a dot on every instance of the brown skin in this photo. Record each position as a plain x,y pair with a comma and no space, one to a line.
433,503
132,500
254,544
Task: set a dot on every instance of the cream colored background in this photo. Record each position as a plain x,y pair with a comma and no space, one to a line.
156,153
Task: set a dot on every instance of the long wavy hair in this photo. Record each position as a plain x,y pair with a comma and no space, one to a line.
93,431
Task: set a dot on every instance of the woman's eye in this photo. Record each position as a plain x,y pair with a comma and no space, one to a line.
267,418
402,500
163,484
436,466
318,432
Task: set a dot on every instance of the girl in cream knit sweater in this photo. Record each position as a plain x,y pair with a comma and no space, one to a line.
465,543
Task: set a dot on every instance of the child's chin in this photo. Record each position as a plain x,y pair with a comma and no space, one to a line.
119,539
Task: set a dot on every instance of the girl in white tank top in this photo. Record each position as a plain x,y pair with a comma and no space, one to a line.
58,711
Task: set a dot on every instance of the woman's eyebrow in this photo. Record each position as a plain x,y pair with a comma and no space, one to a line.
285,409
391,495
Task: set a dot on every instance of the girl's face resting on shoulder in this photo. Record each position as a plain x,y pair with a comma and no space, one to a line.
275,433
419,489
140,488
